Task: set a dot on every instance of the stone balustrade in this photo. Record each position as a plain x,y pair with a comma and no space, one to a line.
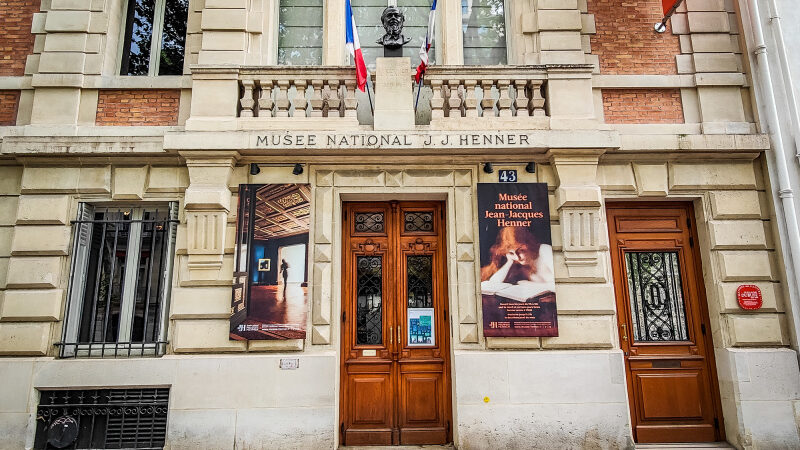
475,91
297,91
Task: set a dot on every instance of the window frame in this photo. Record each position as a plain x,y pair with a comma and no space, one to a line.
507,24
70,344
276,35
156,38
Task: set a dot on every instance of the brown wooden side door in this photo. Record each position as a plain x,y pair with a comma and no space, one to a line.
395,340
663,323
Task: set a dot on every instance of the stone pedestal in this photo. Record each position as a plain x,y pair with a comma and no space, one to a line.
394,102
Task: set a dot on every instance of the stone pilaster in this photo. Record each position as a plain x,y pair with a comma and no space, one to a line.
709,50
233,32
551,32
207,204
71,49
579,204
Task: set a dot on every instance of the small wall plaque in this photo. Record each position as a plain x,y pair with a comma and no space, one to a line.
290,363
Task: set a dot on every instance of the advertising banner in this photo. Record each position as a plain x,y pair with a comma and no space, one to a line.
517,277
270,285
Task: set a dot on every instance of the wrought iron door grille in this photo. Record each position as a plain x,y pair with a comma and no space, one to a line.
656,293
102,419
369,289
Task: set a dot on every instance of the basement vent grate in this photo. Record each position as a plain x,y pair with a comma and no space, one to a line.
102,419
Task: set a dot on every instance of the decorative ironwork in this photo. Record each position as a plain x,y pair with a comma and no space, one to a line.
119,283
419,281
418,221
369,222
104,418
369,289
656,294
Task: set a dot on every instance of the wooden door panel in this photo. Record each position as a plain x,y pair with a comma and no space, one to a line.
420,400
395,388
371,402
670,395
648,225
663,323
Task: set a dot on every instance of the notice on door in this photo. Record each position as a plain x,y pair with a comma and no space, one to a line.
517,276
420,327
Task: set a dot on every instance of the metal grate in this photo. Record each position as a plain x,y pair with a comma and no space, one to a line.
657,307
420,281
119,282
418,221
369,289
369,222
102,419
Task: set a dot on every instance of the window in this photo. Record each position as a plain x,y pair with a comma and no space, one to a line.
119,281
154,24
102,418
368,19
484,26
300,32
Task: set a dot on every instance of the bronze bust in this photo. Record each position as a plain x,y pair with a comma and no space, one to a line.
393,20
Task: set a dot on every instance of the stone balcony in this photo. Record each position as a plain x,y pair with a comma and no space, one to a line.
535,97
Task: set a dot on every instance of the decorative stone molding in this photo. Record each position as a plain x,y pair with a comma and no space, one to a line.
207,204
579,205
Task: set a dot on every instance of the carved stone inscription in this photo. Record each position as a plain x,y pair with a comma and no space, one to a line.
388,140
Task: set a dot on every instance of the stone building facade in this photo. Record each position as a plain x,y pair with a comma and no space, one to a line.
615,117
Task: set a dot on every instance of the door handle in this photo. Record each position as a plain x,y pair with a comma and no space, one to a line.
624,332
391,335
399,338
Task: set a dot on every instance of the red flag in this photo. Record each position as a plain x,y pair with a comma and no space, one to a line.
667,5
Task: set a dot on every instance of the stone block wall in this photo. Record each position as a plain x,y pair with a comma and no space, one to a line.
143,107
643,106
38,204
16,40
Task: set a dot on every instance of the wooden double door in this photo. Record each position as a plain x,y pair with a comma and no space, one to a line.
395,333
663,323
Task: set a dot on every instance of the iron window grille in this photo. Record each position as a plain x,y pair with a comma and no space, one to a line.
120,280
102,419
154,38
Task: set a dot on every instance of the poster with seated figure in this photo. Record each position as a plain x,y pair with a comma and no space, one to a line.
270,283
517,275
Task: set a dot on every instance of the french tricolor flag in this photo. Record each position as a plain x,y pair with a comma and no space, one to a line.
426,46
354,46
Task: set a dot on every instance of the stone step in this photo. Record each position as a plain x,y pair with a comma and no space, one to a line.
400,447
686,446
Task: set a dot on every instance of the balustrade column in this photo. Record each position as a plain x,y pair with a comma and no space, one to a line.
316,101
247,102
437,101
350,102
487,102
333,99
300,101
454,99
470,100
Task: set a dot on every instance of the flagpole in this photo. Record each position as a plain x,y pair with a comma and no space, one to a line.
371,108
419,89
662,26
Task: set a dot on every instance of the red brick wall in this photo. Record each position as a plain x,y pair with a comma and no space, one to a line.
16,40
625,39
643,106
151,107
9,100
